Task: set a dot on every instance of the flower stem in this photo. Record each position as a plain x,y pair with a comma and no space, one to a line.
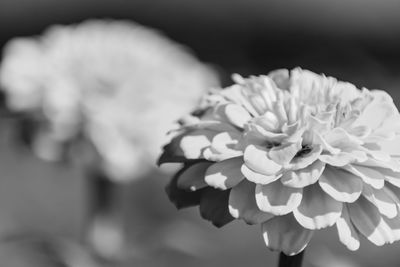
291,261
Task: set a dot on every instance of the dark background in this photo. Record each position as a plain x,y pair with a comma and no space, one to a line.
353,40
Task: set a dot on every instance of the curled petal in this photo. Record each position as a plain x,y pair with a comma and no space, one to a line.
305,160
317,209
257,178
341,185
346,231
256,158
193,177
368,221
242,204
256,134
225,174
283,233
303,177
269,121
369,176
343,158
277,199
325,145
284,154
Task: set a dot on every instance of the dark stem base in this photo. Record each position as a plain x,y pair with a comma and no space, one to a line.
291,261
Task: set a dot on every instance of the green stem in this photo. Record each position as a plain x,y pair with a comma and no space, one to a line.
291,261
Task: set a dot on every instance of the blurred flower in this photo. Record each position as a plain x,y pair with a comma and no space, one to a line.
295,152
116,83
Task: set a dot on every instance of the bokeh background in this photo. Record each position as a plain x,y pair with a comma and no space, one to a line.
42,205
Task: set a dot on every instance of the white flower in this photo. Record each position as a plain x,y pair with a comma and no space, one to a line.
295,152
119,84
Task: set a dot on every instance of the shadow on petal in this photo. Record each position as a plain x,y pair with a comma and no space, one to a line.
214,206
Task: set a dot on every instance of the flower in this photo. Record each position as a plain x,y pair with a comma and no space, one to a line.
118,84
295,152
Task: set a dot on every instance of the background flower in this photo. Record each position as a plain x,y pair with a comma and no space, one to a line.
116,83
295,152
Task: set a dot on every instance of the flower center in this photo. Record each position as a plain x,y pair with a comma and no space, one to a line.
271,145
305,149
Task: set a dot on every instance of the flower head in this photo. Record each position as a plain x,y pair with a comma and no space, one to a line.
118,84
295,152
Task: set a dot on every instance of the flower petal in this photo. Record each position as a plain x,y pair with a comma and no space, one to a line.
242,204
390,176
394,225
180,197
237,115
305,160
277,199
341,159
303,177
256,158
193,177
368,221
346,231
283,233
225,174
214,206
257,178
284,154
393,164
374,114
369,176
193,143
223,146
317,209
341,185
382,200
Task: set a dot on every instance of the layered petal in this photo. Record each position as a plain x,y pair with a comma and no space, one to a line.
192,178
303,177
237,115
317,209
256,159
223,146
214,206
383,200
277,199
242,204
369,222
284,154
283,233
257,178
369,176
225,174
341,185
346,231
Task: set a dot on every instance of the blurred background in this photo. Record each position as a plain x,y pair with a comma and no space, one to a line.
42,205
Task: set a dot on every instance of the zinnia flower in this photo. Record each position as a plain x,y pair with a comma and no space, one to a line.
118,84
295,152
